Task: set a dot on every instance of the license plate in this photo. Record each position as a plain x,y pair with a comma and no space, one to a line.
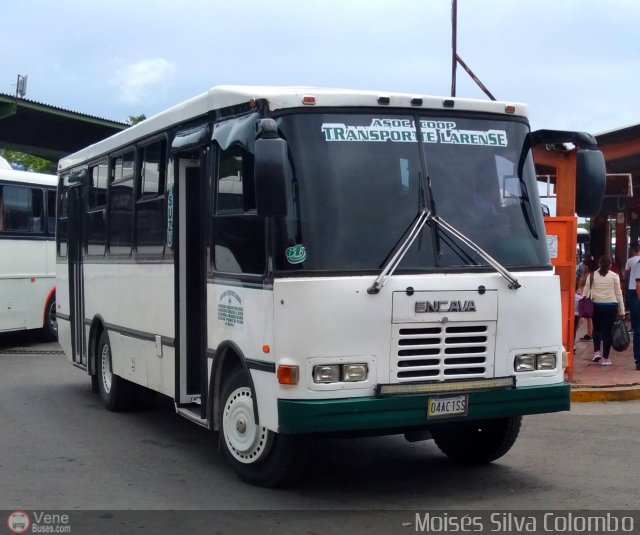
443,406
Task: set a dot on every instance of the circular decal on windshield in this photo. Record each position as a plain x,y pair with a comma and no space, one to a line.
296,254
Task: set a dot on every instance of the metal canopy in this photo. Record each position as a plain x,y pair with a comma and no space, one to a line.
47,131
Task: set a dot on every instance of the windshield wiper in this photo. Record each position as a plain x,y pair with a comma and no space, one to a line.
423,217
513,282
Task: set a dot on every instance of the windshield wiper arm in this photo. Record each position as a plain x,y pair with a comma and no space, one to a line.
513,282
395,260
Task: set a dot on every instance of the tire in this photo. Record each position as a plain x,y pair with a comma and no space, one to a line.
116,392
50,326
259,456
478,442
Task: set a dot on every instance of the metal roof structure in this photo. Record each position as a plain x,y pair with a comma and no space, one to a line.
621,149
47,131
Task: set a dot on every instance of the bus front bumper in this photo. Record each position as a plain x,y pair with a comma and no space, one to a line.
403,412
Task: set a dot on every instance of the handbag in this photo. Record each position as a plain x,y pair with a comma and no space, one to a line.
585,304
620,339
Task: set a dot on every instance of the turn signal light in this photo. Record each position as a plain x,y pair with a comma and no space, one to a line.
288,374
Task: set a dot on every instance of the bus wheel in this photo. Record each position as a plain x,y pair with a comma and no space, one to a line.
50,327
116,392
259,456
478,442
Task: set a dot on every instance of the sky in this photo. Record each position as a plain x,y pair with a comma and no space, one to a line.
576,63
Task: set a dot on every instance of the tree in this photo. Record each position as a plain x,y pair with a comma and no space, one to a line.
28,162
135,119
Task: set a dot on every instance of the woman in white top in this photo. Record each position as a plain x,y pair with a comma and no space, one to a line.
605,292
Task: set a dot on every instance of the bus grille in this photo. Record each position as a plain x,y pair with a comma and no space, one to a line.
437,352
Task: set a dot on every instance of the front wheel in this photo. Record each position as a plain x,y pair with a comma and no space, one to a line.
478,442
116,392
259,456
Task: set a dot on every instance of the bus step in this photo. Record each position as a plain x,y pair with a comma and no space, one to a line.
192,413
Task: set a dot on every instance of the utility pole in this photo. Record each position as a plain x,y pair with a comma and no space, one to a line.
455,58
454,44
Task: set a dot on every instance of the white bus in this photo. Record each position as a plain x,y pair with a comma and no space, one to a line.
27,251
293,262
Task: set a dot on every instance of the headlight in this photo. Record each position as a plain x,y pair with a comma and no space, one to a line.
354,372
535,361
335,373
547,361
525,363
326,374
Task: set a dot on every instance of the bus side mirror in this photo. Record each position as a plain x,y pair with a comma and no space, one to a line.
271,170
590,182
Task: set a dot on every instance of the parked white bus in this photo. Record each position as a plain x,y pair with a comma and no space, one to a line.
27,251
290,262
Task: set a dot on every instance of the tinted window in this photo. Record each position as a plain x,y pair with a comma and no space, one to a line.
123,167
152,169
238,234
235,189
99,175
359,182
150,225
21,209
96,232
239,244
120,220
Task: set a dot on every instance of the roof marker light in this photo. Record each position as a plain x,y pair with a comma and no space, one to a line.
416,101
510,108
308,100
448,103
384,100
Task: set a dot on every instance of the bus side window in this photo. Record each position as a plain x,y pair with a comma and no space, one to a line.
150,220
22,209
96,208
238,234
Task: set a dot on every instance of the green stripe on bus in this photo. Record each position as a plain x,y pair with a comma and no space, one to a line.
406,411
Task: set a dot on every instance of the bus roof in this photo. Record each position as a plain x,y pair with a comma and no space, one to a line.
27,177
280,98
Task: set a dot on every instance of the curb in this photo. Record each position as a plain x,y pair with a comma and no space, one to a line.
618,393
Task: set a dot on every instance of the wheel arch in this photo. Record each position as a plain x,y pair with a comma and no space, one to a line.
227,357
95,331
52,293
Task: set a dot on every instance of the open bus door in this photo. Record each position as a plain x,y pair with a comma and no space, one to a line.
188,193
75,192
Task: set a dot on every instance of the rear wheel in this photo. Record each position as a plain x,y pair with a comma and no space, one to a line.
50,326
478,442
116,392
259,456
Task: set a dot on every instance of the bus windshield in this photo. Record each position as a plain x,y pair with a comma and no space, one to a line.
360,180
